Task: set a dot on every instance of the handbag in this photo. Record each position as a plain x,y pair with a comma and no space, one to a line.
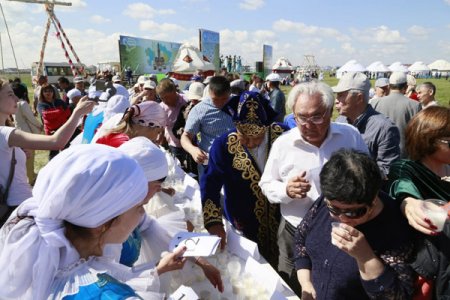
4,208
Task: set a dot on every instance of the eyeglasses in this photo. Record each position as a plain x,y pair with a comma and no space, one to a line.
348,213
317,120
445,142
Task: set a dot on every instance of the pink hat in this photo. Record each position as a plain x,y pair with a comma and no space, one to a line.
149,113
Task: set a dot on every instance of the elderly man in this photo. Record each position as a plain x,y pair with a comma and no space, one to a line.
396,106
380,134
381,87
426,93
291,175
277,99
209,119
236,162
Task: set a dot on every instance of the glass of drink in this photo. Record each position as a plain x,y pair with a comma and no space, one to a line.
435,212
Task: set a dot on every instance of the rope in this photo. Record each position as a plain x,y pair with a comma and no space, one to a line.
10,41
55,19
40,70
66,53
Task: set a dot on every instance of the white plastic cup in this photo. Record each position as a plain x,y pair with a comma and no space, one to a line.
435,212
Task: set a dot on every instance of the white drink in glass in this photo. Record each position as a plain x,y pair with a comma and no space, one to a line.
433,209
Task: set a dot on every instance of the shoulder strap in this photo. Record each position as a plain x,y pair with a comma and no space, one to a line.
11,173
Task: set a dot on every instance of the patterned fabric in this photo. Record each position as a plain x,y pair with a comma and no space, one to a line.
106,288
335,274
131,249
209,122
232,167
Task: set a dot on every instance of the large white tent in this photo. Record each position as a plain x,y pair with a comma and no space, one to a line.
419,69
398,67
283,65
350,67
440,65
188,60
377,67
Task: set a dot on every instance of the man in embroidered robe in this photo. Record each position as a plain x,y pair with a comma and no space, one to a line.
236,162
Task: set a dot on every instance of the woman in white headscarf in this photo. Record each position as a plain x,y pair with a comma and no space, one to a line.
152,236
55,245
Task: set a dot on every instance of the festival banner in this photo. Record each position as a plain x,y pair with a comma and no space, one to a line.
145,56
267,58
209,42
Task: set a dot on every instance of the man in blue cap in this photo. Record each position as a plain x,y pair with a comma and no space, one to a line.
236,162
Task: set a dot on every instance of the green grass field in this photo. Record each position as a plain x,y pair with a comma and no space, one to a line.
442,95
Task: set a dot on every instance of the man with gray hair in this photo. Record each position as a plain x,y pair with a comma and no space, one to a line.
396,106
425,93
291,174
381,135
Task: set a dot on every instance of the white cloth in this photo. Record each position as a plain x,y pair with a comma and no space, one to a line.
121,90
20,190
86,185
291,155
260,152
115,105
149,157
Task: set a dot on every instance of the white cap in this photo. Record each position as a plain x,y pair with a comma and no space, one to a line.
141,79
195,91
381,82
73,93
273,77
352,81
149,85
411,80
149,157
116,78
397,78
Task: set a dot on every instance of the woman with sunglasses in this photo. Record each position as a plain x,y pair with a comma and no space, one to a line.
365,256
425,175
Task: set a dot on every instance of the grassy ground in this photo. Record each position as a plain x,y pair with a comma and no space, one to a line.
442,95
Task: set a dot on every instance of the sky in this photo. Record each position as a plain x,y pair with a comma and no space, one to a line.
333,31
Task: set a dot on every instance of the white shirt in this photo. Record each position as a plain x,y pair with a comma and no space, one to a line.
291,155
430,104
20,190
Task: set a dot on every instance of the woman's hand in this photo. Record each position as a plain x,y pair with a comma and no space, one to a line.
212,273
352,241
172,261
84,107
412,210
308,291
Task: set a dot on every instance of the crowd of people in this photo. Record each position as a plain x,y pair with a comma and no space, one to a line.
336,207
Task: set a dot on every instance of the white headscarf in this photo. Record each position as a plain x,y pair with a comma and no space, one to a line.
115,105
86,185
149,156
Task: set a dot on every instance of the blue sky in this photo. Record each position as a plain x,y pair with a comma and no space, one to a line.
333,31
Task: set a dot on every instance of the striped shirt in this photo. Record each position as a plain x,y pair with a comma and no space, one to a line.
208,121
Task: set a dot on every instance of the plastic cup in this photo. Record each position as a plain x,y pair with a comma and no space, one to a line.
435,212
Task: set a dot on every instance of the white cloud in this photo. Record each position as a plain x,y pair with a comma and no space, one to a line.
76,6
306,30
447,1
379,35
348,48
251,4
141,10
97,19
148,25
419,31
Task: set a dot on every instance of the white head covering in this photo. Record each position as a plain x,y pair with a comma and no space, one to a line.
86,185
116,104
149,113
149,156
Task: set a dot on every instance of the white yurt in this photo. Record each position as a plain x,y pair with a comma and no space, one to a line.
282,66
440,65
187,61
419,69
398,67
350,67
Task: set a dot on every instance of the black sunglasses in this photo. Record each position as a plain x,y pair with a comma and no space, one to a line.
348,213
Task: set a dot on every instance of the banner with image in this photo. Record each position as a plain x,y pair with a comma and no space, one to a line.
145,56
267,58
209,42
